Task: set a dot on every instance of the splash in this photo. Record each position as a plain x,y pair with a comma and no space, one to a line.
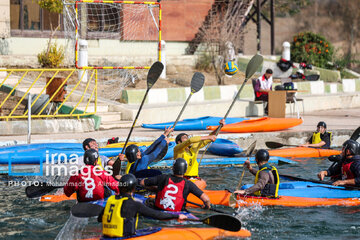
73,228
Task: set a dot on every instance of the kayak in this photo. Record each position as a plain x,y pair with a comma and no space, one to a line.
224,147
302,152
144,145
264,124
313,190
222,197
213,162
199,182
193,123
35,156
182,233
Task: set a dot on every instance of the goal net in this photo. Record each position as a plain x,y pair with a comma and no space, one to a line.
121,36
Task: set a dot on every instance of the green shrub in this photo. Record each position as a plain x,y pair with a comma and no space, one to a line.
53,58
204,62
311,48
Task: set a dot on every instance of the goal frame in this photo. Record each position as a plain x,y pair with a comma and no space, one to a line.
110,1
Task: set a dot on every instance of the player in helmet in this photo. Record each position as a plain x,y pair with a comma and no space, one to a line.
188,149
120,215
321,138
173,190
266,178
348,167
137,160
91,183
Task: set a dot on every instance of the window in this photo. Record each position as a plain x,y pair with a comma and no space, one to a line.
28,19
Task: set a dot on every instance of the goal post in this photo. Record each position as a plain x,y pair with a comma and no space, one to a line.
128,31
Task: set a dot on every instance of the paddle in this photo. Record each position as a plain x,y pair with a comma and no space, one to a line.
249,151
146,173
40,189
356,134
273,145
292,178
211,209
197,82
222,221
153,75
251,68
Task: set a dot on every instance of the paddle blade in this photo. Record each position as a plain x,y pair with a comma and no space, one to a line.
273,145
197,82
355,136
250,149
253,65
154,73
147,173
223,221
85,210
39,190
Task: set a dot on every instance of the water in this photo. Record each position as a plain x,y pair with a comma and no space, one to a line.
23,218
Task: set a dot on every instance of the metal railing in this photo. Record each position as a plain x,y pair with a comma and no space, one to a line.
44,105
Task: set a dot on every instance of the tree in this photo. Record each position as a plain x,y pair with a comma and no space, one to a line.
223,26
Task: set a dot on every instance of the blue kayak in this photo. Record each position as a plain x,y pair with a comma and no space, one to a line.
193,123
35,156
224,147
313,190
213,162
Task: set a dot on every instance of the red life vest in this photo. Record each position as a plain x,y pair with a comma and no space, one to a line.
346,170
90,188
171,198
259,94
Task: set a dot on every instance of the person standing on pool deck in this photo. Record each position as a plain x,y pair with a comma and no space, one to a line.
320,139
120,215
266,178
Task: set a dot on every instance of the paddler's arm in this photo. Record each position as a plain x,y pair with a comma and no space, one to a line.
203,142
71,186
355,169
200,194
263,180
221,124
179,148
152,213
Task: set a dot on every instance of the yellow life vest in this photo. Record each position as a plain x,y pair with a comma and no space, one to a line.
99,163
192,163
128,167
270,190
317,139
114,225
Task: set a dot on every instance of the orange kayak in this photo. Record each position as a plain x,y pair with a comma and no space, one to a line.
222,197
264,124
185,233
199,182
302,152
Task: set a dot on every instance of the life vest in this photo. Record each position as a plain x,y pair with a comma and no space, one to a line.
192,163
171,198
99,163
114,225
317,139
270,190
129,165
264,84
347,173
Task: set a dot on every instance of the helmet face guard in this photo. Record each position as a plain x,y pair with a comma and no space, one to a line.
179,136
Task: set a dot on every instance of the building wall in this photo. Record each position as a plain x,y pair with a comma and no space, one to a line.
4,18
